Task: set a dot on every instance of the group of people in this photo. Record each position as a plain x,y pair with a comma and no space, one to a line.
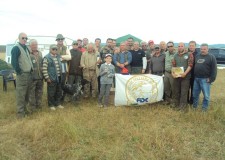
97,65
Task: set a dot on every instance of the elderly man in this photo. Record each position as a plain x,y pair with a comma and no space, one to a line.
89,62
157,63
192,50
139,62
36,89
168,79
123,59
183,60
22,64
205,73
162,46
52,72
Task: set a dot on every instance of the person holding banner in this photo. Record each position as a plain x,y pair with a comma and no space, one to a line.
107,72
123,59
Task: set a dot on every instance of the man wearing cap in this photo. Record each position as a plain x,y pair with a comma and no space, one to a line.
89,62
52,72
75,70
183,60
123,59
80,48
139,62
157,62
107,72
36,89
22,64
65,56
168,78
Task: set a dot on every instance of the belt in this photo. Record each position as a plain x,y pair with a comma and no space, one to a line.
157,72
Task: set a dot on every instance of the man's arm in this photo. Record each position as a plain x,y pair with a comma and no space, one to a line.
66,57
15,53
45,70
213,69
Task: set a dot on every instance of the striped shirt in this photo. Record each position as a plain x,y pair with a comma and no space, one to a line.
45,66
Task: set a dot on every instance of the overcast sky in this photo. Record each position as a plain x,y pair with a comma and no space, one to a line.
177,20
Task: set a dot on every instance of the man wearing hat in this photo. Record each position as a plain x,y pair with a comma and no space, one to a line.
52,72
65,56
157,63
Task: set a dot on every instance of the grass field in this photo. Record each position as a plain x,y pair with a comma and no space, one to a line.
84,131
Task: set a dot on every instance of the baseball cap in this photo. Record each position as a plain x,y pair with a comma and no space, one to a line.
53,46
156,47
74,42
108,55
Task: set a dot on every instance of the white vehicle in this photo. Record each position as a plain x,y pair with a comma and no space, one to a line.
43,45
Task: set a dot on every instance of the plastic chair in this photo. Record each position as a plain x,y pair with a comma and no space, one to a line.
7,76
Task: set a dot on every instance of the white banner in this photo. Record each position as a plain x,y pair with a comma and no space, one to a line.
138,89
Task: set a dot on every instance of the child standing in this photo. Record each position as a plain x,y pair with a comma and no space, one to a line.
107,72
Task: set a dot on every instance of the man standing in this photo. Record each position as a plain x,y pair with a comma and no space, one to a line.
52,72
157,63
181,84
65,56
75,71
168,79
85,43
113,44
98,44
89,62
192,50
150,50
22,64
162,46
205,73
139,62
107,49
80,48
122,59
130,42
36,89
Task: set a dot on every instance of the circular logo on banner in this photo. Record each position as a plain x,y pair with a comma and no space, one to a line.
141,90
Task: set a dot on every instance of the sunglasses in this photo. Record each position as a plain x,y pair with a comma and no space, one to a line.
169,46
24,38
60,39
54,49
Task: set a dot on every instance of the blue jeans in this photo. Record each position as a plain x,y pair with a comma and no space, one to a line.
201,84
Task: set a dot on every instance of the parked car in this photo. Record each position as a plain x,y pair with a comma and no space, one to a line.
219,53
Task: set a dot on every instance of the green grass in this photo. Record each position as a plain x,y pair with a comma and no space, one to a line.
84,131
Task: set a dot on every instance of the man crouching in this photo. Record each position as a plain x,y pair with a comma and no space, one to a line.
52,73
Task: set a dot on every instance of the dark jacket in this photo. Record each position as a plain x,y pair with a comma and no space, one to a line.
74,63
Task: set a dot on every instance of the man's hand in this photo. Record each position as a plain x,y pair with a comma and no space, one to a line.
49,80
143,71
121,65
183,75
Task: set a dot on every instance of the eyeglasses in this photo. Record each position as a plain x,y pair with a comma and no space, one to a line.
60,39
24,38
169,46
54,49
